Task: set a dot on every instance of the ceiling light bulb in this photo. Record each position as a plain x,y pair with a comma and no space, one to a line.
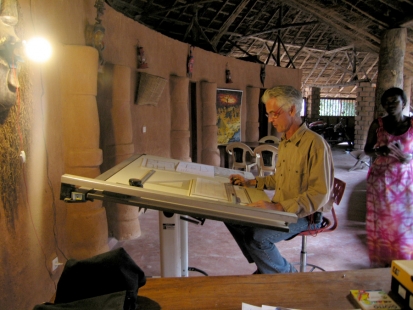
38,49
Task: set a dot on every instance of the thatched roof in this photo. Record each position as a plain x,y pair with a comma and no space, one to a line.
335,42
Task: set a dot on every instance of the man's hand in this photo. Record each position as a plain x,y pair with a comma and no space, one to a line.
237,179
267,205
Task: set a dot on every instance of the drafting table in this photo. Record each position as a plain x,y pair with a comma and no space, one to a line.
178,189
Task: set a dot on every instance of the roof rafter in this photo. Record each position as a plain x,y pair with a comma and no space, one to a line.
228,22
286,26
335,22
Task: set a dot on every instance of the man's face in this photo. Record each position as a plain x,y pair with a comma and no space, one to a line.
277,116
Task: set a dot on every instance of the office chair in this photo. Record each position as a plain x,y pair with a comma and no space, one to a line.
239,152
266,155
326,226
269,139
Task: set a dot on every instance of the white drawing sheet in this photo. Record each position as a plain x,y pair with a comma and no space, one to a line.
194,168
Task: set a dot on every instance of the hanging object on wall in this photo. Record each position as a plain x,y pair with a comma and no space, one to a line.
190,62
149,89
227,75
142,64
94,33
262,75
10,56
8,14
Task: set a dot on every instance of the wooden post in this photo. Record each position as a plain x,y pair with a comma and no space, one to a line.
180,134
210,153
116,124
86,226
391,63
407,87
252,101
314,103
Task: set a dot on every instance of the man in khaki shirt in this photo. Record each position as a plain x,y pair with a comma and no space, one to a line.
303,182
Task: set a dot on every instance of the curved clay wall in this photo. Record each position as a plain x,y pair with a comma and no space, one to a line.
40,227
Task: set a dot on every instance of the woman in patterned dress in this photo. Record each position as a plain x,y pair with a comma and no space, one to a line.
389,220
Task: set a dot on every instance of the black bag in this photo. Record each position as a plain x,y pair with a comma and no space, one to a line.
114,301
102,274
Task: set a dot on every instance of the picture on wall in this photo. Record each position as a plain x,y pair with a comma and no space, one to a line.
228,105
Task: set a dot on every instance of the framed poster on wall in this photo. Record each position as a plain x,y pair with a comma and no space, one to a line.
228,105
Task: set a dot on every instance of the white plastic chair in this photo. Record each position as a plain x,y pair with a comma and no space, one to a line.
269,139
363,160
238,152
266,158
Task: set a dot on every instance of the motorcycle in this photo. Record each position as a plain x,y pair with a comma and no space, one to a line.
333,134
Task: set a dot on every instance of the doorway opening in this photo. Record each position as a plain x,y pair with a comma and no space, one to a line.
263,129
193,122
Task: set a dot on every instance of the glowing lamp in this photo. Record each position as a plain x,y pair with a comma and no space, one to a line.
38,49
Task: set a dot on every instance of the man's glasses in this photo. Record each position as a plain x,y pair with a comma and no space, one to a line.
274,115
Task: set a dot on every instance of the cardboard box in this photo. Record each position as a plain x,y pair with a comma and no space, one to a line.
402,281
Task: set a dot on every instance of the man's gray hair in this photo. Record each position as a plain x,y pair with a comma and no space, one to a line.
286,95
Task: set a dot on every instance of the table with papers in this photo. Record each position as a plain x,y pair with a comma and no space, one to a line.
304,291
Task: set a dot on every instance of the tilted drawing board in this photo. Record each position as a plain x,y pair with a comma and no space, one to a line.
178,187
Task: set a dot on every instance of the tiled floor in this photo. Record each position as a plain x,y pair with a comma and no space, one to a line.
213,250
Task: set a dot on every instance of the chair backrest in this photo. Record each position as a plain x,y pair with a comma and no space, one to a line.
266,158
338,190
269,139
327,225
238,152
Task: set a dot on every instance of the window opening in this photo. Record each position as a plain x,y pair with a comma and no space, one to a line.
337,107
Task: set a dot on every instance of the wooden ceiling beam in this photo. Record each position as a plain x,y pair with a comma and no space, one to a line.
332,76
256,17
310,35
304,61
325,67
269,50
272,50
361,67
314,68
229,21
335,69
351,46
286,26
240,35
311,52
242,50
336,23
392,4
407,21
279,23
286,51
286,32
336,85
218,12
341,68
366,14
179,7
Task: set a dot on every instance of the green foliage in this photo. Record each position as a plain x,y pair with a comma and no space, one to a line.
337,107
